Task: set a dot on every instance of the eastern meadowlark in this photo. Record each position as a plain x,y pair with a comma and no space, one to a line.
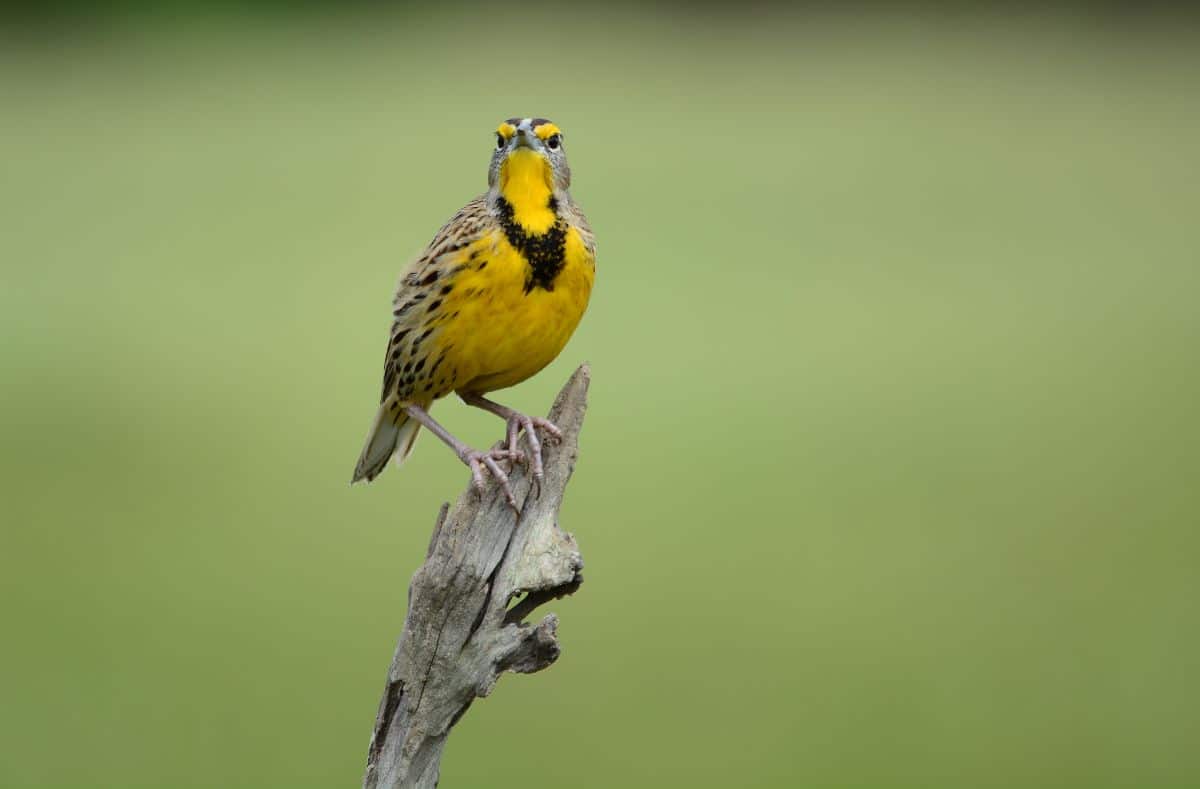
491,301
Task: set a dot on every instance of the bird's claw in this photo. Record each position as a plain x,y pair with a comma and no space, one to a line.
529,425
477,461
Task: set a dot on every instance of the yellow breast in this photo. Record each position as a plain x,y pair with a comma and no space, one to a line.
497,331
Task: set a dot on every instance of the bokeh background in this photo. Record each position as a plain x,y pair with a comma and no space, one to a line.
890,477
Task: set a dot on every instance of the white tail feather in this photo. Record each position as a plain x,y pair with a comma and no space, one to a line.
389,437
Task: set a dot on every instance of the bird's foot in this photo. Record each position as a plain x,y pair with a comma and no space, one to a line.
478,461
516,423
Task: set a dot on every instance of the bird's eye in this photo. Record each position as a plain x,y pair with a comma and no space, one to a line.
554,141
499,141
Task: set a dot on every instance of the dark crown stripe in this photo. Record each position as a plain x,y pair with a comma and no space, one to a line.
534,123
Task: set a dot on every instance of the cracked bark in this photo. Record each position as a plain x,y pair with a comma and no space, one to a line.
460,633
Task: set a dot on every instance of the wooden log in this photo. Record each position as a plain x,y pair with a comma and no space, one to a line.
460,632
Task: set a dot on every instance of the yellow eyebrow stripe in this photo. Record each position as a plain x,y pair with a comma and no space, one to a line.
546,131
506,130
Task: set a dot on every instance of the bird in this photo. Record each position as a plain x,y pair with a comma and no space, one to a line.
491,301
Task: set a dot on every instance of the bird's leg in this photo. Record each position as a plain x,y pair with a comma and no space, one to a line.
516,422
473,458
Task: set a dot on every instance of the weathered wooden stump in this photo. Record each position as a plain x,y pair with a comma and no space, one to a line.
460,632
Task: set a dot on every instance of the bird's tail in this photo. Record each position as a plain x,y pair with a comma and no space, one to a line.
390,435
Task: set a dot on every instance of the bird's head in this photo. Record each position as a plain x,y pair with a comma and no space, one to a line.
529,150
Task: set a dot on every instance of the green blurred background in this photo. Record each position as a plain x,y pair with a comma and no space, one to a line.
890,477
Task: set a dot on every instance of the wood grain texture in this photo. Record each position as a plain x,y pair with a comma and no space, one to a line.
460,632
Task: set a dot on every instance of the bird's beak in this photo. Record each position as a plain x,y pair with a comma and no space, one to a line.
525,139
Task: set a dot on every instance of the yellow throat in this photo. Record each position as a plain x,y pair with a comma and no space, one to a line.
525,182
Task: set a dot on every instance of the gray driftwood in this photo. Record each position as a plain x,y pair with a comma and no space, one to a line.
461,633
